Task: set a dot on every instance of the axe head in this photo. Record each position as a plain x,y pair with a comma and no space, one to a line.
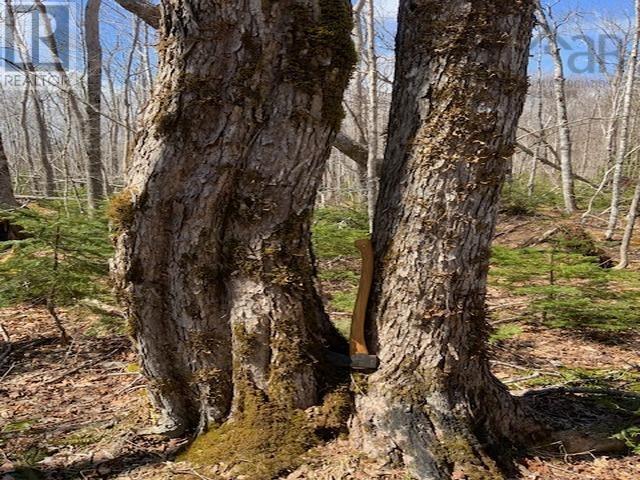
361,361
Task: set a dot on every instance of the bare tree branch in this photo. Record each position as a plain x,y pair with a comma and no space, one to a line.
352,149
147,11
544,161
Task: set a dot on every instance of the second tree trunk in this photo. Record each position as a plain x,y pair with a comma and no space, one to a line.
460,86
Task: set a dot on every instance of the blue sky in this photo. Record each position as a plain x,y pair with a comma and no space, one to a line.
600,6
609,6
116,28
574,50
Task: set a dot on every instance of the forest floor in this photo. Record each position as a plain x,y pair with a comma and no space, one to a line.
560,321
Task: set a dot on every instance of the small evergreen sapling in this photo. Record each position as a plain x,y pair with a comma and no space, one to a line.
62,260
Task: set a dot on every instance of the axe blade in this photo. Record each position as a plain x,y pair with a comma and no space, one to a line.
361,361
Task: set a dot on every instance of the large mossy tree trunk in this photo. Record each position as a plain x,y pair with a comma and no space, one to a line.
214,256
461,81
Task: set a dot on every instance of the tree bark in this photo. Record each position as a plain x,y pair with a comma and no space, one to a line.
214,258
6,188
95,184
625,123
565,149
460,85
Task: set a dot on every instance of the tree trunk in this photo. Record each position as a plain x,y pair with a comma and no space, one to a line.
565,149
6,188
539,147
34,177
372,120
360,108
46,148
95,184
214,256
632,216
460,85
625,123
128,89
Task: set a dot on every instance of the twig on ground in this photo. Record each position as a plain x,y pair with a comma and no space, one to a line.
130,385
191,471
523,379
5,334
561,469
102,307
34,343
80,367
8,371
511,365
526,369
512,229
542,239
491,308
505,320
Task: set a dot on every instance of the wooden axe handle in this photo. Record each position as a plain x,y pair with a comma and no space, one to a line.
357,341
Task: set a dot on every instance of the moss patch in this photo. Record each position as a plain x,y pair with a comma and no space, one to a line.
328,38
264,442
121,210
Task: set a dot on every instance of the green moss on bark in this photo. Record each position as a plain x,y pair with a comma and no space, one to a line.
121,210
323,55
263,442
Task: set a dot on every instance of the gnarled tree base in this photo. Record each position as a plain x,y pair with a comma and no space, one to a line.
441,432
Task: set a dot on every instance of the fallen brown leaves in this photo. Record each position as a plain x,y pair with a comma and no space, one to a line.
76,411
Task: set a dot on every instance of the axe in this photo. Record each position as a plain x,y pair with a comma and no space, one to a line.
360,357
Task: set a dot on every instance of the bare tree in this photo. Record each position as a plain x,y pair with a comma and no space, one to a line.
539,147
95,183
632,216
372,121
551,30
28,68
128,90
623,136
26,135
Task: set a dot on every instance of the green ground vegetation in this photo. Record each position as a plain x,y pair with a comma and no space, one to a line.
64,257
567,289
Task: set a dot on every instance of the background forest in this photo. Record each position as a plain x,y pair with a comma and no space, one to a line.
564,302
